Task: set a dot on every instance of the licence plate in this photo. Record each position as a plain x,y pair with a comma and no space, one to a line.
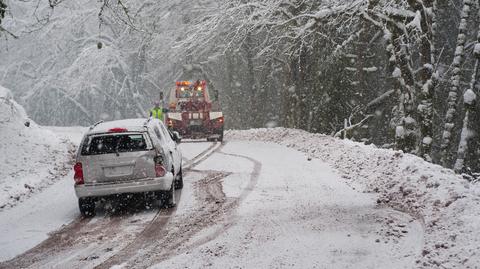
196,122
118,171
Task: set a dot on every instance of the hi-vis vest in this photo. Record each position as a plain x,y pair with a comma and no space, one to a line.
157,113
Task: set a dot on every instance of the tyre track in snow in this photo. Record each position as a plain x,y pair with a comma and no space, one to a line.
202,156
161,239
254,176
79,232
216,211
83,232
155,230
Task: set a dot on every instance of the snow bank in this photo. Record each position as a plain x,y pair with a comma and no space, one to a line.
30,157
448,205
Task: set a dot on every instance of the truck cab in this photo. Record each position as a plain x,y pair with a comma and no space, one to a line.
193,114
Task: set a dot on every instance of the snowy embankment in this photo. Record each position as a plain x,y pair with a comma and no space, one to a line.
447,205
31,158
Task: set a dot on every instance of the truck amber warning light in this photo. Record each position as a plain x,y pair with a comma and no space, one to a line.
183,83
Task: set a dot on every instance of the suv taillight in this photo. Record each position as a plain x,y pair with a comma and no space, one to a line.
78,177
159,170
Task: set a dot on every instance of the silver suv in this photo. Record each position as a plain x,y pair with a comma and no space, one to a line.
127,156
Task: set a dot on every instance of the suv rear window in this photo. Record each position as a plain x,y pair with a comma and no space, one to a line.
113,143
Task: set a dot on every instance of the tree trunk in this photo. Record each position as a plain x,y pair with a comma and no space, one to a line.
406,130
428,78
458,61
3,8
469,100
252,88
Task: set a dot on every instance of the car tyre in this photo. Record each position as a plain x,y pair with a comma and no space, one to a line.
87,207
167,198
179,180
220,138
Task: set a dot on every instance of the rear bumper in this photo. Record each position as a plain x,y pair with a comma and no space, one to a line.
144,185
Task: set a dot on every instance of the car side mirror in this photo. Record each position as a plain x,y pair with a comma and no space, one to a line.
176,137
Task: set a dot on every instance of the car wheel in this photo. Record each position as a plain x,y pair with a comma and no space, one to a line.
220,138
87,207
168,197
179,180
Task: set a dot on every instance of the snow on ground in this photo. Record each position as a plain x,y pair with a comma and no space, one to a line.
298,214
30,222
316,202
192,149
447,205
35,163
31,158
74,134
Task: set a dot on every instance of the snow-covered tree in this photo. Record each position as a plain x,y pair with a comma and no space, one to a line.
451,112
3,8
468,133
376,71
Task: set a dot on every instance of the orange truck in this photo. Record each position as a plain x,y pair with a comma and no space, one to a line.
192,112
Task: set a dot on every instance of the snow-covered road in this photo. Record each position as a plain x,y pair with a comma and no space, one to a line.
244,205
299,214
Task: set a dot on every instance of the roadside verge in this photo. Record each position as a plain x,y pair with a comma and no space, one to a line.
31,157
447,204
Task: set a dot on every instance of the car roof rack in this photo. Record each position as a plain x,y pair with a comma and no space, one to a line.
95,124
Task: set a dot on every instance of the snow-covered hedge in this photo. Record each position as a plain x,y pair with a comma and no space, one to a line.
30,157
447,205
